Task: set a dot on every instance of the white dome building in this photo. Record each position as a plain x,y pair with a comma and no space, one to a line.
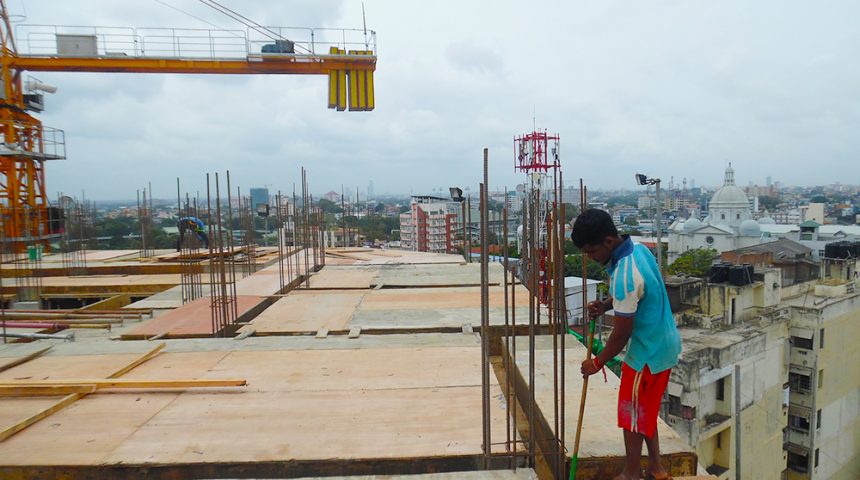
728,226
729,205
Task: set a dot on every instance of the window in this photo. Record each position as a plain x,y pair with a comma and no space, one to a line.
816,458
799,382
800,342
738,216
722,216
797,462
720,440
674,405
821,379
798,423
818,419
721,389
821,338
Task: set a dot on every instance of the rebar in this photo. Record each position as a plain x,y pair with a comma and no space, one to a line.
485,315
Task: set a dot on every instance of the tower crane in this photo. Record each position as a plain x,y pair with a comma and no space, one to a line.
25,144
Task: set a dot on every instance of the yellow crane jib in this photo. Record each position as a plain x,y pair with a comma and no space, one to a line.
351,89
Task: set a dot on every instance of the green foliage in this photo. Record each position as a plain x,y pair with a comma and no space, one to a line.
376,227
631,221
768,203
327,206
573,268
693,263
818,199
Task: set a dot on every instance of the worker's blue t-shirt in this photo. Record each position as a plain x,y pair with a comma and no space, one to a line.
638,291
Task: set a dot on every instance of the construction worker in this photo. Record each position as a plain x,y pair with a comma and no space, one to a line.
195,225
644,324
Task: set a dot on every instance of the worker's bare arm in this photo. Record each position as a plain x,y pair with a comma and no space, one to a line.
621,333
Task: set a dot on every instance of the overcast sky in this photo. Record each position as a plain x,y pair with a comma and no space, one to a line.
668,88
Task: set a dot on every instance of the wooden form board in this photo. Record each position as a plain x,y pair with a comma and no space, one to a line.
445,297
331,278
190,320
308,311
313,406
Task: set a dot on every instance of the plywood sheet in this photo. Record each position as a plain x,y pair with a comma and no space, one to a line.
399,423
299,405
446,297
308,311
344,278
191,319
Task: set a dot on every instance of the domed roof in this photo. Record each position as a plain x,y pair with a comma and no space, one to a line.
729,195
766,221
692,224
749,228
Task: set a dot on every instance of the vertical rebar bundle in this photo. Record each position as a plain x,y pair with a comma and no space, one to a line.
222,271
541,270
188,247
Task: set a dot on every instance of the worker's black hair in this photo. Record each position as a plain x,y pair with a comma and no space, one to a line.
591,227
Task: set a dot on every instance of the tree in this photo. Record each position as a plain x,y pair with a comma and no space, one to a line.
768,203
818,199
693,263
328,206
631,221
573,268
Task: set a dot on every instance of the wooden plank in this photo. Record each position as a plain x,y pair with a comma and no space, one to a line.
122,371
72,398
45,390
101,383
26,358
67,400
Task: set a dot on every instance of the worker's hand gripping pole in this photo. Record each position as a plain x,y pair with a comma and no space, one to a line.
589,343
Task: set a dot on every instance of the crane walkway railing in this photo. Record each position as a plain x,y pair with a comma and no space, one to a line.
95,41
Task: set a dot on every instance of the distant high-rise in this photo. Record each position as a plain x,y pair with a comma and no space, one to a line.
370,190
768,181
260,201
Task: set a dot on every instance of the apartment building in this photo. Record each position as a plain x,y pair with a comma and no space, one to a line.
428,225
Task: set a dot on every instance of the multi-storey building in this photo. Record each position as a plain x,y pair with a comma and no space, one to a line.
428,225
768,385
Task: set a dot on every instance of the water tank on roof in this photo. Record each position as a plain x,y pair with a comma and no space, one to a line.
718,273
737,275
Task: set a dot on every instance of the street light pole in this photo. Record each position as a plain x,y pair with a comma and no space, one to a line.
657,226
644,180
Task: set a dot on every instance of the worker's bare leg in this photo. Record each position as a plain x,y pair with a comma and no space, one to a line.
633,448
655,467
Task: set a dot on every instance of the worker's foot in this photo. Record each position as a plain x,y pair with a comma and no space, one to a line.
657,473
625,476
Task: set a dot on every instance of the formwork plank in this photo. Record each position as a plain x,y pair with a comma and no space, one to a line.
308,311
193,319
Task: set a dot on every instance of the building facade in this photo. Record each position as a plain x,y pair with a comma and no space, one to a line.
429,225
768,385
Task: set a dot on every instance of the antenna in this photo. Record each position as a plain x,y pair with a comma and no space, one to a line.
364,26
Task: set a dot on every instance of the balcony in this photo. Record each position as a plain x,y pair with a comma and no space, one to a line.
800,437
714,424
803,357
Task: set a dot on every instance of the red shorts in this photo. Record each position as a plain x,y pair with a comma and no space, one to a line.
639,399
